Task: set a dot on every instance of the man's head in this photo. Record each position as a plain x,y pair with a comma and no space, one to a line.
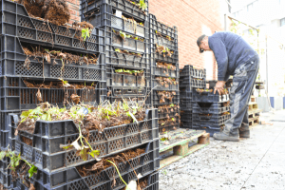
203,44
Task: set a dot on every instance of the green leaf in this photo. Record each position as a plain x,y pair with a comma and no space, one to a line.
94,153
171,105
173,119
117,50
2,155
85,33
32,171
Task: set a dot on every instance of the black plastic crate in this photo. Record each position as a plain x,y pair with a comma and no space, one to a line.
110,6
5,121
186,104
153,182
13,64
209,97
6,180
120,92
16,22
188,83
165,72
117,80
140,99
115,40
5,141
166,128
210,108
185,94
16,96
47,155
4,167
156,56
143,164
126,60
157,102
190,70
118,23
158,86
212,120
163,40
162,28
165,115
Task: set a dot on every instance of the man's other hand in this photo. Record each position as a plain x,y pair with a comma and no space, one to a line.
220,87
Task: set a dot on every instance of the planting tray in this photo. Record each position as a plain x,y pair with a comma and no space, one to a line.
13,64
186,104
188,83
158,86
107,6
16,96
162,28
70,178
16,22
209,97
121,92
45,151
210,108
127,61
189,70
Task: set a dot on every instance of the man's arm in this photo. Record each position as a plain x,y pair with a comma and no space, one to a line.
219,49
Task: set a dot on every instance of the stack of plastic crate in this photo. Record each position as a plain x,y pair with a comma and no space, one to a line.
26,80
210,111
190,79
165,73
126,24
60,168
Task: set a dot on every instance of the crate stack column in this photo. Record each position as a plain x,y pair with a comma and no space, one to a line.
126,26
210,111
190,79
165,73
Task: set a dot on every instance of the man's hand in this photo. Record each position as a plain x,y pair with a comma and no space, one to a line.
220,87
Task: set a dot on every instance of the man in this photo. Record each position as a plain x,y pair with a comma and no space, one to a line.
234,57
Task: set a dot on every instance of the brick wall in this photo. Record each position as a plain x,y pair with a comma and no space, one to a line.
74,10
191,18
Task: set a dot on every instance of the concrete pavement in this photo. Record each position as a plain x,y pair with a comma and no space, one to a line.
257,163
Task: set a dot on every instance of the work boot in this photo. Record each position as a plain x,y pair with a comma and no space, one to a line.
244,134
224,137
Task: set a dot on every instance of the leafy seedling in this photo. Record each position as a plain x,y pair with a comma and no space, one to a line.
85,33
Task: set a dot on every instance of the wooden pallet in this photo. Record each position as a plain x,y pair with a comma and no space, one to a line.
254,113
178,141
252,106
253,122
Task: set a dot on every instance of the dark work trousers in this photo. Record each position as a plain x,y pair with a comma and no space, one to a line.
243,82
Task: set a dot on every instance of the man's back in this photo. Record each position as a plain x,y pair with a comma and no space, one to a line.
237,49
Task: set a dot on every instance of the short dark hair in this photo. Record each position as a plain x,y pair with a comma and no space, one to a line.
199,40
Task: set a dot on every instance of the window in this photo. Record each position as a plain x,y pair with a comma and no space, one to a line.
282,22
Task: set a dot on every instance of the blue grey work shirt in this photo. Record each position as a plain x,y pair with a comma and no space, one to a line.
230,50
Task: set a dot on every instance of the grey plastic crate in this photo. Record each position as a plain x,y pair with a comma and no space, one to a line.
157,86
189,70
48,136
144,164
6,180
210,108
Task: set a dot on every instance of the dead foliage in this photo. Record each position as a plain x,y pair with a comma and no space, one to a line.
164,81
96,167
165,95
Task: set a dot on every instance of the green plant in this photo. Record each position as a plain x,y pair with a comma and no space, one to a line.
142,5
15,162
122,35
85,33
